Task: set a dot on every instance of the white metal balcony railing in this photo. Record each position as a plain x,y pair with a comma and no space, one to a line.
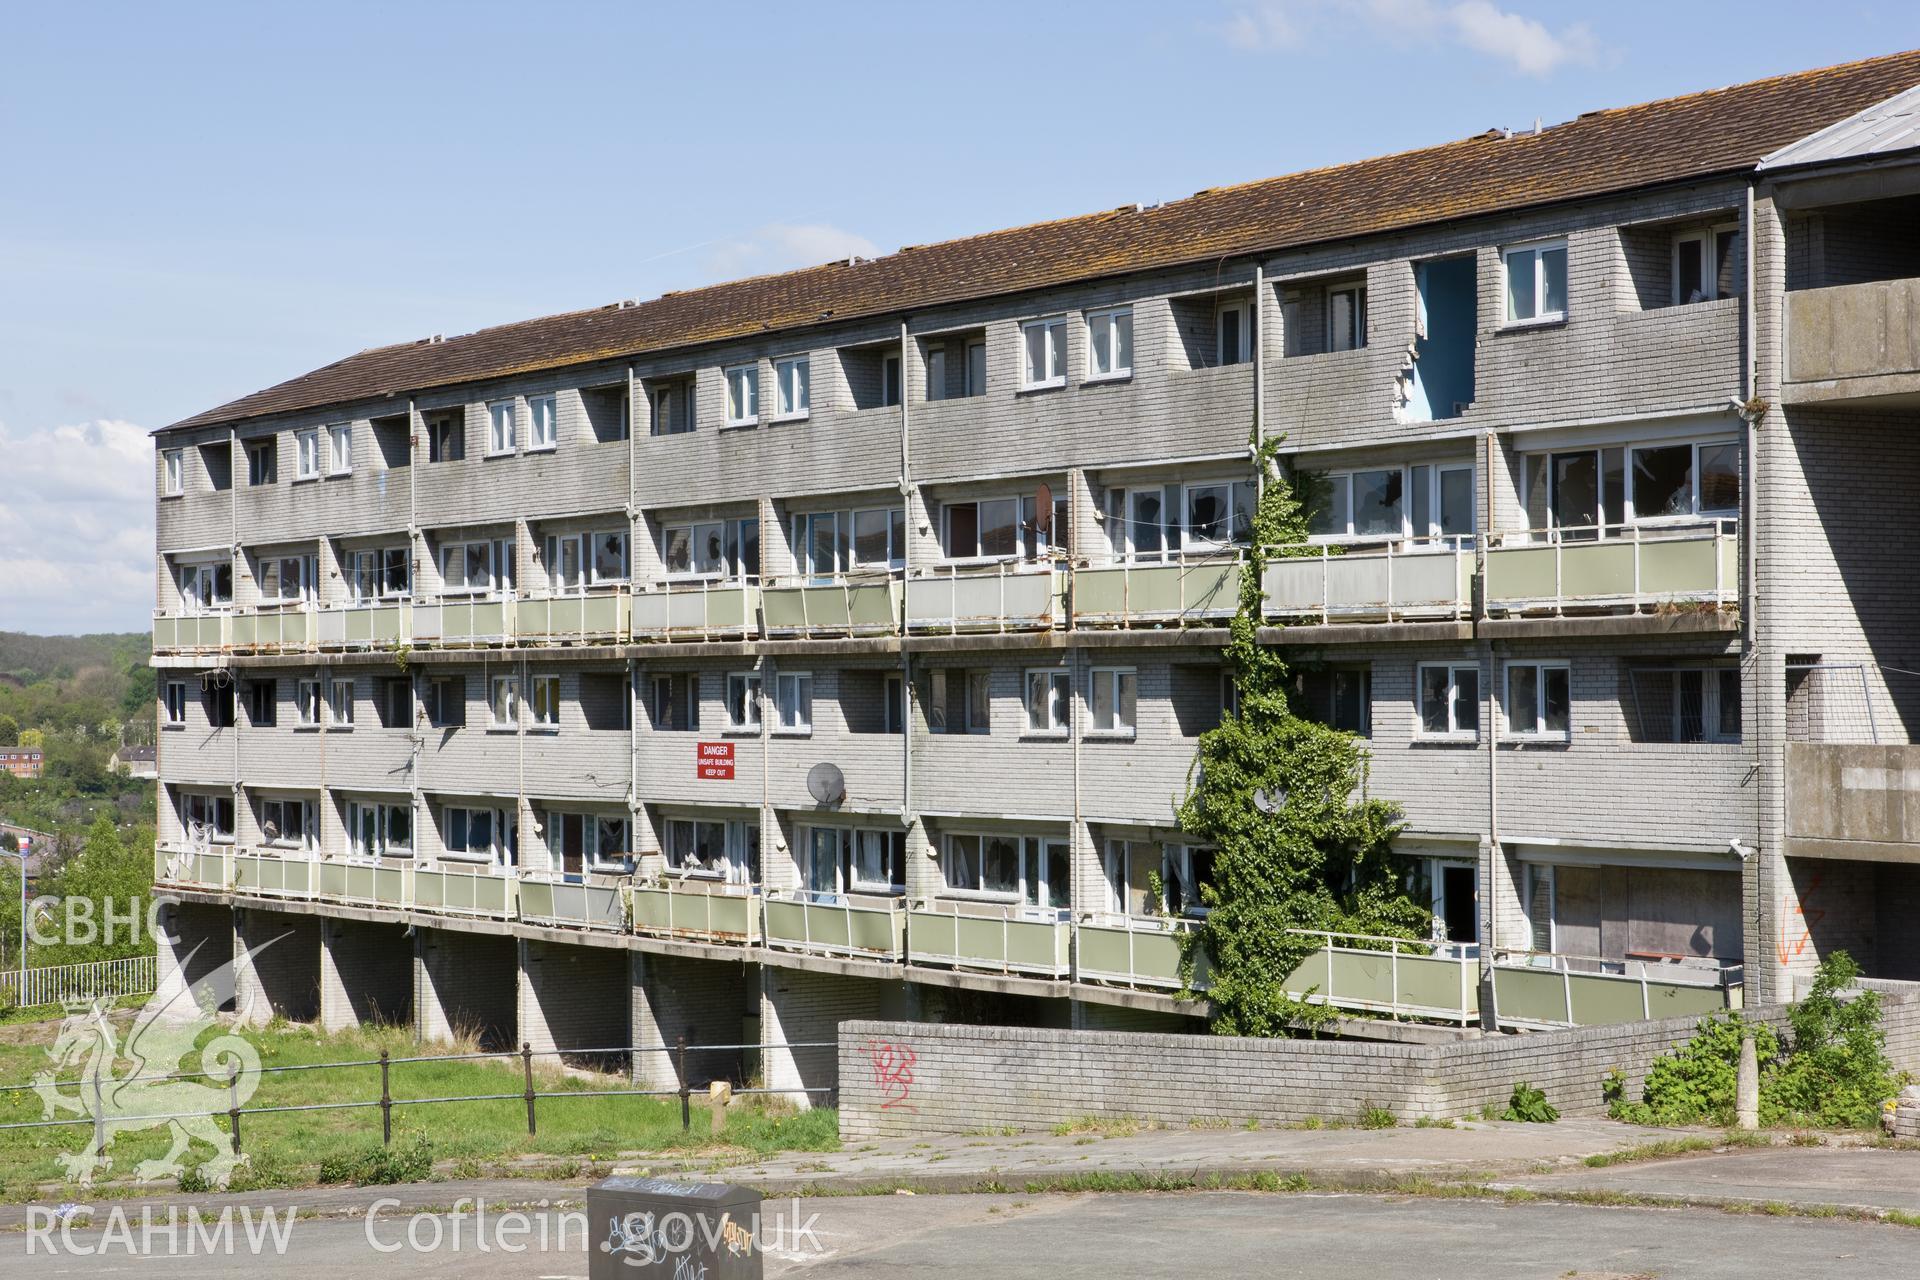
984,598
1606,566
1371,580
697,609
1181,587
859,603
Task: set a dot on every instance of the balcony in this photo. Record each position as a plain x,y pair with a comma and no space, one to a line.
365,626
1440,981
573,904
465,893
462,624
273,875
1556,571
1541,990
1193,588
373,884
1003,939
602,616
698,910
1853,342
1854,801
192,633
974,599
1377,582
836,924
1130,952
856,605
283,628
697,611
194,868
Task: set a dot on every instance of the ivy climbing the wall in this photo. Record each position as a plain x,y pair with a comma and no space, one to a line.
1320,860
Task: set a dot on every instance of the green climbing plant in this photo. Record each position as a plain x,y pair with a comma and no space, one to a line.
1320,861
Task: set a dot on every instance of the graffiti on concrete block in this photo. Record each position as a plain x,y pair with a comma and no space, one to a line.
892,1072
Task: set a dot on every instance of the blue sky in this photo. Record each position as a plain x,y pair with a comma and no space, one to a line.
206,199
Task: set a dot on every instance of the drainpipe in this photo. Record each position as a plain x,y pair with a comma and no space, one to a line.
1749,388
1259,377
906,553
1490,730
233,556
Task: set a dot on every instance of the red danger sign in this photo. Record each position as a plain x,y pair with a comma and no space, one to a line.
715,760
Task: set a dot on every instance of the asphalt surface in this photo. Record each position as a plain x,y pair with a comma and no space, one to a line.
1865,1178
1328,1237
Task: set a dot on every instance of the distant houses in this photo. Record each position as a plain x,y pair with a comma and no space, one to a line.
135,762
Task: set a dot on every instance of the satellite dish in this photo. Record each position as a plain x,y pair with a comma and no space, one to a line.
1269,802
1043,509
826,784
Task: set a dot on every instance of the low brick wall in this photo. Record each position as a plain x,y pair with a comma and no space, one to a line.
903,1078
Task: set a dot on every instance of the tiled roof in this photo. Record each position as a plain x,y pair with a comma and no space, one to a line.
1701,134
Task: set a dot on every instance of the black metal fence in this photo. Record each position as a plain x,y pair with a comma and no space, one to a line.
680,1050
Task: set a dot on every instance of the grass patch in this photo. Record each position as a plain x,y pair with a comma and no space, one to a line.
1676,1147
1101,1126
299,1148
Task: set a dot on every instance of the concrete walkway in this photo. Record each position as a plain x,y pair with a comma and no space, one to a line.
1846,1177
1325,1157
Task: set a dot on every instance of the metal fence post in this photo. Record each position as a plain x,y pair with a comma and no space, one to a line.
686,1094
233,1109
526,1065
386,1101
99,1116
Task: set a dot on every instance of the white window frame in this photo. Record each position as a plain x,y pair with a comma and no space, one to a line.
503,432
893,703
340,449
1176,860
503,843
509,685
937,372
173,698
585,548
893,379
385,844
340,699
305,571
733,558
543,423
1121,687
1032,888
499,554
748,683
370,578
1176,536
1242,352
1059,706
307,710
447,434
277,809
306,454
1713,703
1708,239
199,584
1538,730
1453,731
445,701
173,473
600,835
543,702
1110,323
1053,350
793,703
793,387
209,807
1341,492
973,379
1357,304
1630,514
742,395
739,840
259,476
971,679
1535,251
1696,512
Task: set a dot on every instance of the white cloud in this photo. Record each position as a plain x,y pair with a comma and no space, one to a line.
782,246
76,528
1525,44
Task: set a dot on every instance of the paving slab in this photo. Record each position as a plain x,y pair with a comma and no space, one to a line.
1846,1177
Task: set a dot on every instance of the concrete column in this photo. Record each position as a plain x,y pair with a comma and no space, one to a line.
276,966
465,984
800,1017
710,1002
196,942
366,974
569,999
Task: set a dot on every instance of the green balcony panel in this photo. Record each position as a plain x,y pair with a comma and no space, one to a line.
466,892
835,929
1369,583
1156,593
260,873
830,608
691,913
983,601
1679,567
588,906
1143,957
989,942
1520,573
1599,999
